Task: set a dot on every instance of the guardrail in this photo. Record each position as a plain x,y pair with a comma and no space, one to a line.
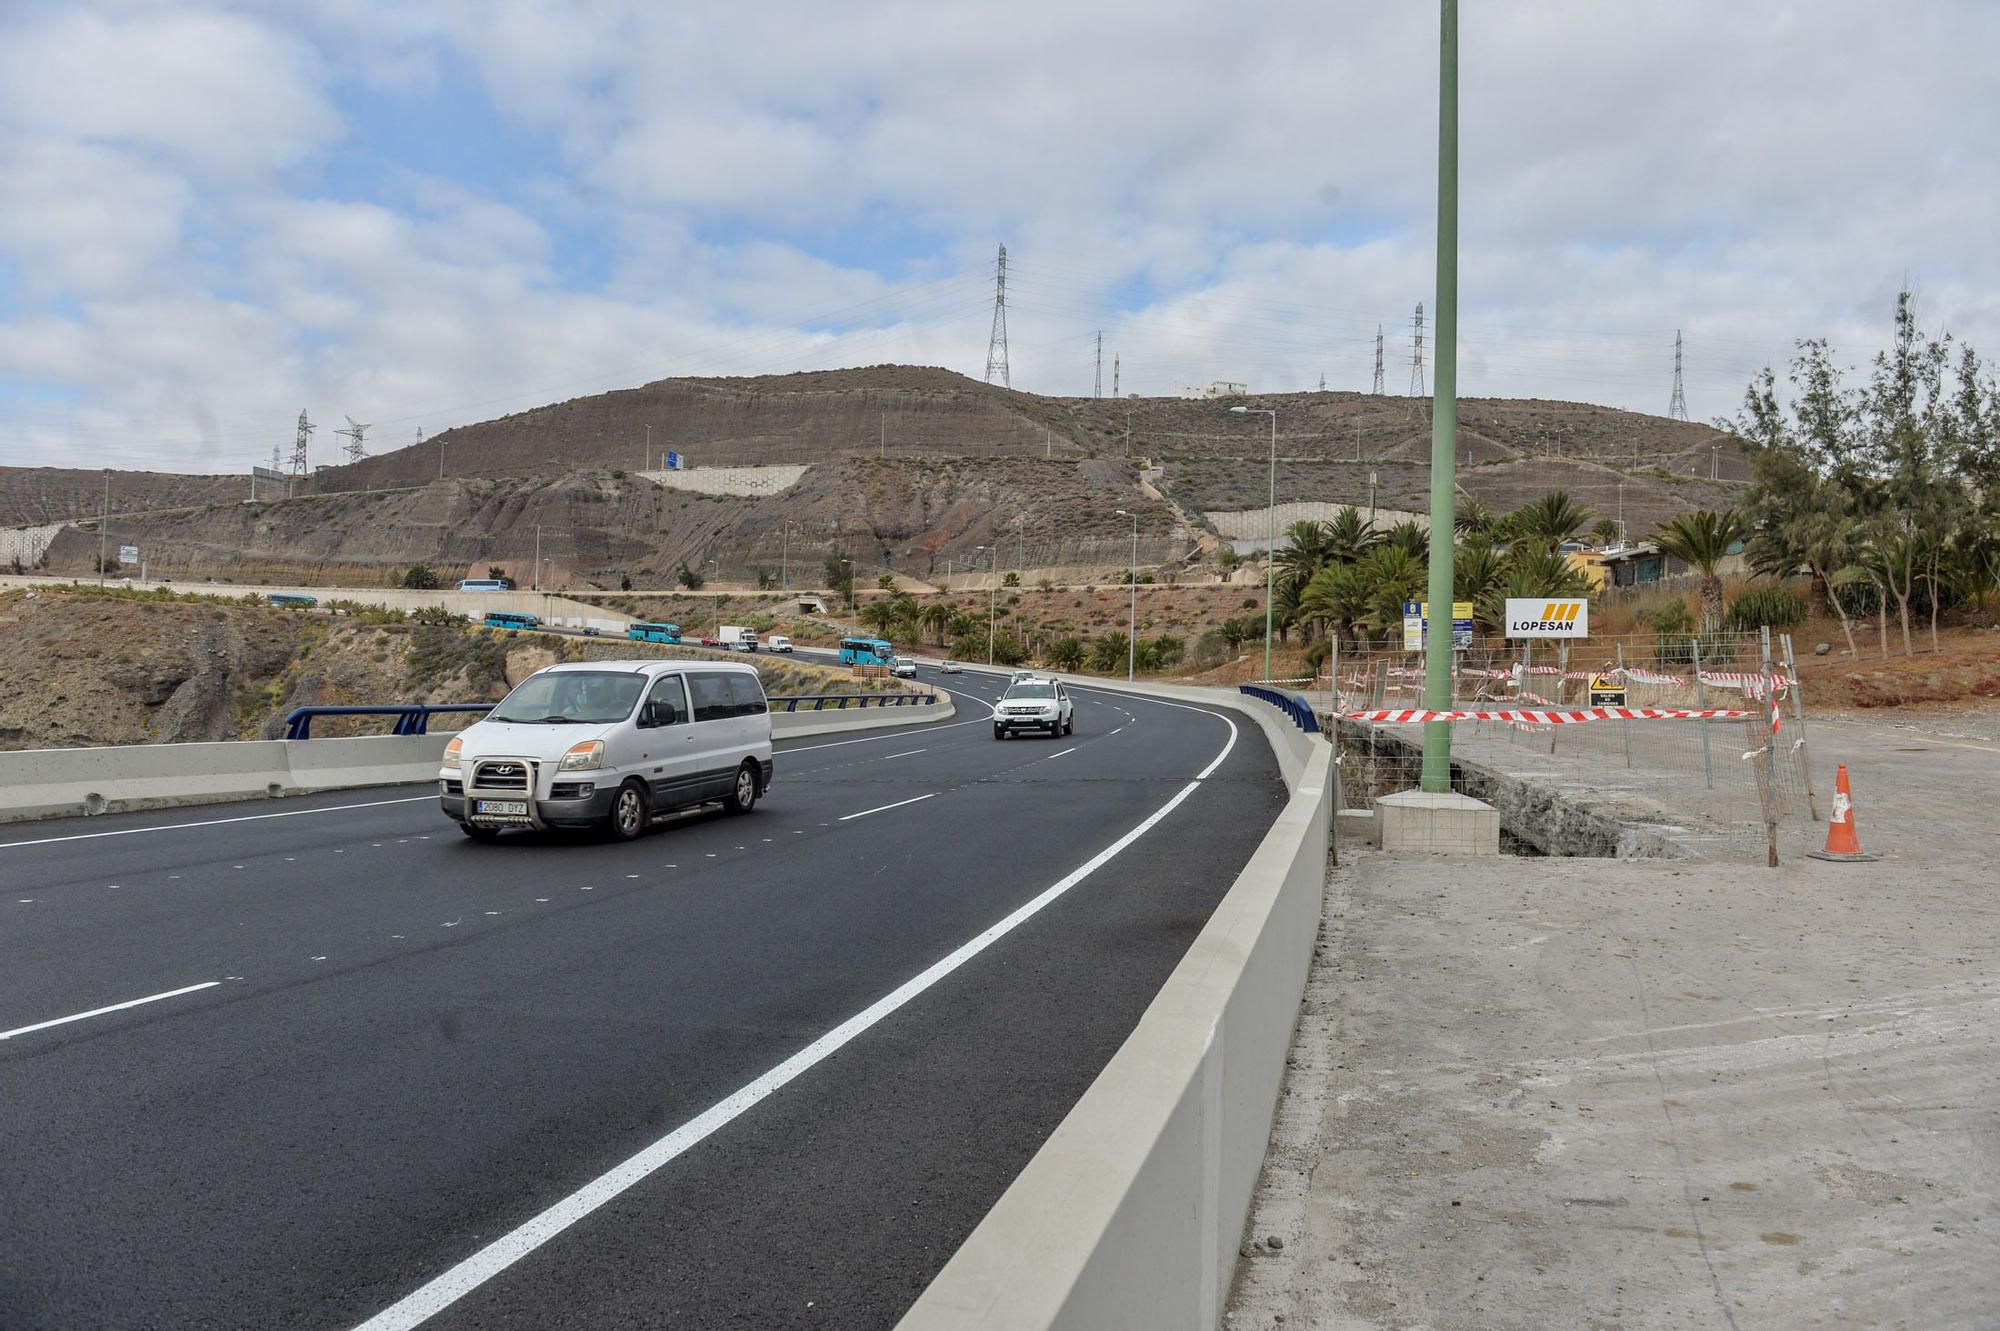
1291,704
411,718
839,701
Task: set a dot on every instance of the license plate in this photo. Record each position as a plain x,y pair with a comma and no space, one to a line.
502,808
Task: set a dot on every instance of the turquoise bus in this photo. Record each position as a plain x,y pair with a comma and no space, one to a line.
866,651
508,619
293,601
639,631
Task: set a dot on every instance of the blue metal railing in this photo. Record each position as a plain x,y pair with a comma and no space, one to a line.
834,702
411,718
1290,703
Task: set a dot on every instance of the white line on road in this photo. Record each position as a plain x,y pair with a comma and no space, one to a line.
849,817
908,754
1071,749
440,1293
215,822
100,1011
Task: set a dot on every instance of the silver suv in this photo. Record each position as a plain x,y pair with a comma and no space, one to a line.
1034,704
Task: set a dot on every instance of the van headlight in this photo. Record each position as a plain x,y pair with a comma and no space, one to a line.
583,757
451,752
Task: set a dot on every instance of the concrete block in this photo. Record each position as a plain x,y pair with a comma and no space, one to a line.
1424,823
1358,827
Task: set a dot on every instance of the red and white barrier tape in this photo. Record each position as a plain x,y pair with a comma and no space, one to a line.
1549,717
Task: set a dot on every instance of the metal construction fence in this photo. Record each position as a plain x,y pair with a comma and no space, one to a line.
1619,712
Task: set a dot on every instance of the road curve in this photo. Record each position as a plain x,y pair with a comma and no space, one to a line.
325,1063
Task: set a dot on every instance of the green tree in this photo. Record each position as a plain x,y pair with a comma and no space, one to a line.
1701,540
1012,579
1067,653
1350,536
1410,538
1550,520
886,581
935,617
879,617
690,579
498,574
1472,515
1605,531
421,577
1107,652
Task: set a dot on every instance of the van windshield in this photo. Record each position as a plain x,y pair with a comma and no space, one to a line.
572,697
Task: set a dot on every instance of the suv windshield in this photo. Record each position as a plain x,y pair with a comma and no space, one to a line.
1032,691
583,697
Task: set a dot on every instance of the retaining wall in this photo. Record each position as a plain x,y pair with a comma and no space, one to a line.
1131,1213
797,725
749,482
56,783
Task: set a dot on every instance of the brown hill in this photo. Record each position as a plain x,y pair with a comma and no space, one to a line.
911,468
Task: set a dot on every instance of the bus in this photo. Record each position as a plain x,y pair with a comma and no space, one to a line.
866,651
484,585
640,631
508,619
293,601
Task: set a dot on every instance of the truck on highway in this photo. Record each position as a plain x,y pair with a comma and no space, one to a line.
737,638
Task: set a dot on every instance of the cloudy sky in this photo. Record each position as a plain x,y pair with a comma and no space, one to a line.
422,214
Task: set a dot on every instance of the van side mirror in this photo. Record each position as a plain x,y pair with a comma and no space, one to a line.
659,712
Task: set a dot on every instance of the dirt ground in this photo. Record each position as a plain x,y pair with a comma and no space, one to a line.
1545,1093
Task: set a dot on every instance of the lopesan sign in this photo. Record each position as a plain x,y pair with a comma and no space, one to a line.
1547,617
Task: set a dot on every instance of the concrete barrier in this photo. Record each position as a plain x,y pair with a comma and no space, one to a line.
797,725
57,783
1131,1213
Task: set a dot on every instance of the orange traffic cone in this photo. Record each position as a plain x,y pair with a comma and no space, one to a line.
1841,841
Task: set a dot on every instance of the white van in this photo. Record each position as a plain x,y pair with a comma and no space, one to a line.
779,643
610,744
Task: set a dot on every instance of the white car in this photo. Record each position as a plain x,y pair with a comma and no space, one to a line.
1034,704
610,744
904,668
951,668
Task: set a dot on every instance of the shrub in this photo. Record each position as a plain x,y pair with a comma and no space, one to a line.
1774,606
1012,579
690,579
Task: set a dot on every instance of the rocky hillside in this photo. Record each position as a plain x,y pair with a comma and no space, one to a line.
86,667
913,469
30,496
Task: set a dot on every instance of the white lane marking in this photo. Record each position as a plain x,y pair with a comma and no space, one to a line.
1114,732
214,822
1071,749
909,754
444,1290
850,817
115,1007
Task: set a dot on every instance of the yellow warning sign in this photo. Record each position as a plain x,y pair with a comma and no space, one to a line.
1607,690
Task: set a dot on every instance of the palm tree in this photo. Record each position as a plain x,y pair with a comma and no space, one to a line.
1392,577
1472,515
1700,540
1605,531
1335,599
935,617
1349,536
1477,567
880,616
1550,520
1409,538
1067,653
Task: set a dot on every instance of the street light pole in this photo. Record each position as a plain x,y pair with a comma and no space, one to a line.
538,556
1444,413
784,555
1270,531
1132,629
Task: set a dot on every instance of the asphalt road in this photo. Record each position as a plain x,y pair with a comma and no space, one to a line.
411,1045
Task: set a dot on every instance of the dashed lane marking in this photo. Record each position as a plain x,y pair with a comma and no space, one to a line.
884,808
114,1007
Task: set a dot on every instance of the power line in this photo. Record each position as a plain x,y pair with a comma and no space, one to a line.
996,344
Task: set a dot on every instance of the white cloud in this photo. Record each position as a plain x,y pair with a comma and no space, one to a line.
801,184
